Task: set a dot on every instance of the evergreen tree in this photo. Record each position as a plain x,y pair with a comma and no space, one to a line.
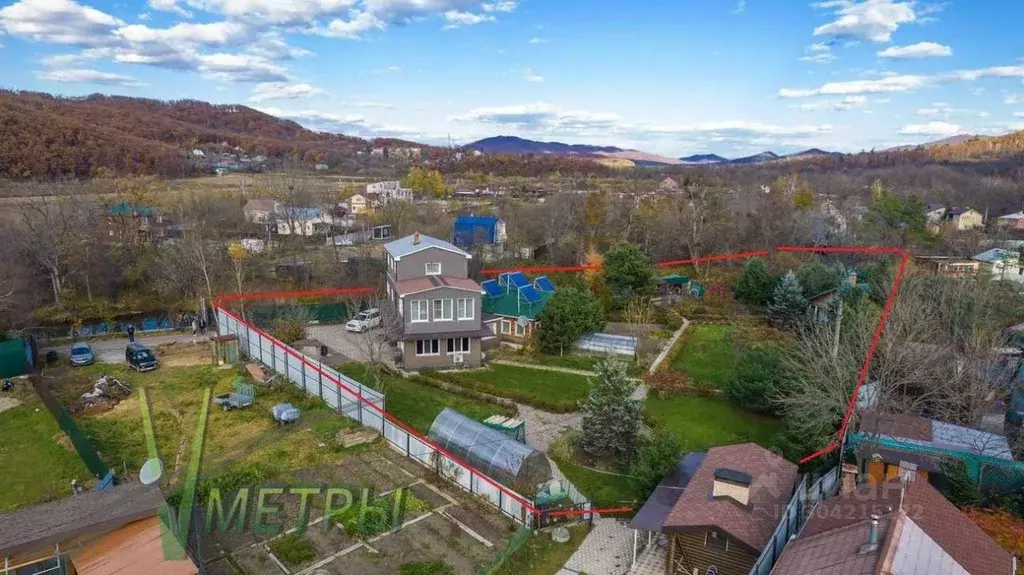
788,307
611,419
755,285
570,313
628,271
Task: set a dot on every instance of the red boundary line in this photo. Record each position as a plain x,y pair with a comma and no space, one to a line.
861,378
384,414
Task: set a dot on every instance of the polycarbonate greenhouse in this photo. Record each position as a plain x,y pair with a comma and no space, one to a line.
607,343
507,461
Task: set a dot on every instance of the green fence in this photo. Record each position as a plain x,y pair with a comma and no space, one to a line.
326,312
514,544
82,444
13,358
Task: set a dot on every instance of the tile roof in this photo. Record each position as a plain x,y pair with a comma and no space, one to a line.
426,283
93,512
832,520
405,246
774,479
832,553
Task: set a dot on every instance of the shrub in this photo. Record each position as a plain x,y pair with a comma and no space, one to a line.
1004,527
667,384
960,488
756,284
293,549
655,459
758,377
288,331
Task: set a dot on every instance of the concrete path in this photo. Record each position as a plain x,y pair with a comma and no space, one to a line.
543,427
112,350
544,367
608,550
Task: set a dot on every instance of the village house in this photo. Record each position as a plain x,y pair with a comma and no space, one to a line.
358,204
1002,264
900,527
964,219
302,221
260,210
486,233
727,507
1014,221
94,533
389,191
439,305
948,266
130,222
934,213
512,303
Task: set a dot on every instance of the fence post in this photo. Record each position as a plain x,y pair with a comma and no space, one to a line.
287,375
302,370
320,382
259,339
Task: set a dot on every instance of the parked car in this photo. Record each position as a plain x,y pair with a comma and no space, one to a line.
140,357
81,354
364,321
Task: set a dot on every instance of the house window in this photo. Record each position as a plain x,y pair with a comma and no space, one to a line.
506,327
433,269
442,310
716,541
428,347
466,309
520,330
458,345
420,310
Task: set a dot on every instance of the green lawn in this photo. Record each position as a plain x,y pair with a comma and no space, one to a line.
549,390
417,404
35,467
604,489
707,354
703,422
541,555
573,361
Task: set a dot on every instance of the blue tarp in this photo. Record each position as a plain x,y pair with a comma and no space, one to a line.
468,230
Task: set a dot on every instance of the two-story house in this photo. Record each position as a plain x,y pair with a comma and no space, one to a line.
438,304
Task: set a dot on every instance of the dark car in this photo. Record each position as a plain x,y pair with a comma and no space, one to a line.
140,357
81,354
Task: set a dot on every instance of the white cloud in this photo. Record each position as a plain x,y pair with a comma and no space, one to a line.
990,72
239,68
58,22
367,104
84,76
871,20
536,40
916,51
851,102
741,7
1011,99
944,110
820,52
1018,114
931,129
904,83
187,34
530,76
459,18
500,6
387,70
283,91
274,12
350,124
843,105
169,6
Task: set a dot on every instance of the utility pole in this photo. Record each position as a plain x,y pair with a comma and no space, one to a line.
839,324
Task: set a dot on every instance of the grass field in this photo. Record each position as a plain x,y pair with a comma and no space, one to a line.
418,404
707,355
574,361
541,555
703,422
548,390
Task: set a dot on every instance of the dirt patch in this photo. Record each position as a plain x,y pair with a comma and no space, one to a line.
8,403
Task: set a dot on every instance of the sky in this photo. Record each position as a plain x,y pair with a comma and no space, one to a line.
672,77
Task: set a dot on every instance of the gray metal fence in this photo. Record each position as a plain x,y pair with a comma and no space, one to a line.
800,505
367,406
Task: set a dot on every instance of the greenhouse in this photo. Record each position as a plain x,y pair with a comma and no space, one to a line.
607,343
490,451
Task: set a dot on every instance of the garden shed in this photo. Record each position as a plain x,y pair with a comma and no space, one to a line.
503,459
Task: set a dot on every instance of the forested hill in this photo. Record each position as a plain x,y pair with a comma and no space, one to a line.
44,136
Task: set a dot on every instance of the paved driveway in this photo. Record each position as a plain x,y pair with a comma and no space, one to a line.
354,346
112,350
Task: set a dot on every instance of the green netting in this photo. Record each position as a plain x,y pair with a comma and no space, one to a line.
13,360
82,444
325,312
514,544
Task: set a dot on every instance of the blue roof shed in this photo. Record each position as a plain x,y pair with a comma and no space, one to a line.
467,231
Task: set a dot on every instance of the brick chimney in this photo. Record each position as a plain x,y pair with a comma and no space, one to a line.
416,239
849,478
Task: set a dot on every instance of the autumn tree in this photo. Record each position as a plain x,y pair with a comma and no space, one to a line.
897,218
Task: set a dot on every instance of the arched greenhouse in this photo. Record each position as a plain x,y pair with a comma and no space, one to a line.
491,452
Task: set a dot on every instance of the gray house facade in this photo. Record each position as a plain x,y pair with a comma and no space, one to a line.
438,304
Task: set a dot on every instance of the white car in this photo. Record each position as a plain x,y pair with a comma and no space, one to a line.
364,321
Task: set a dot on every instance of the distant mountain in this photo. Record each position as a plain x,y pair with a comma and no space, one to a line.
757,158
704,159
952,140
515,145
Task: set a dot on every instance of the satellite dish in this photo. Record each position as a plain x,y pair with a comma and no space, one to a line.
151,471
522,321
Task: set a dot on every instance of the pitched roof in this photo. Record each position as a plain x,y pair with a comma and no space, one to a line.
834,522
93,512
996,255
405,246
427,283
131,209
753,525
651,516
832,553
300,213
947,437
260,205
1013,216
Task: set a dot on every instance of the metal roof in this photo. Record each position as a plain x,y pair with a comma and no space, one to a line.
651,516
405,246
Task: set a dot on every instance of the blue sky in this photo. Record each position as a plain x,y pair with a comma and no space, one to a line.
672,77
